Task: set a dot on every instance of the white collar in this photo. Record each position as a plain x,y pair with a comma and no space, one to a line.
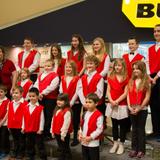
1,100
20,101
33,105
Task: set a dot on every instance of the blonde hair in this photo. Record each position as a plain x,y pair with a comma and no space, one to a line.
144,77
73,66
103,46
124,70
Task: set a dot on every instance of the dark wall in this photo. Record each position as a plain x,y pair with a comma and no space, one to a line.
91,18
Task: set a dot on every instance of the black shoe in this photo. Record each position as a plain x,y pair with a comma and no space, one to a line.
74,143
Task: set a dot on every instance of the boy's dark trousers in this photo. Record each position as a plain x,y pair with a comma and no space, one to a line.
138,131
18,145
49,106
4,140
90,153
64,146
33,139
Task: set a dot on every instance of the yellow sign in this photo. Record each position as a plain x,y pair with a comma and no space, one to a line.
142,13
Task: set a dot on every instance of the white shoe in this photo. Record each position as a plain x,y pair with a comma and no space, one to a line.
114,148
120,148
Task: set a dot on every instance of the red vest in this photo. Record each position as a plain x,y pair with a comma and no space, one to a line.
32,121
92,86
71,87
117,89
43,84
26,87
60,70
15,118
129,63
58,121
101,65
3,108
29,59
136,97
154,59
92,123
78,62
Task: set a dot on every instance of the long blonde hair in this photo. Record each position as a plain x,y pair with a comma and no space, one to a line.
144,84
124,70
103,48
74,67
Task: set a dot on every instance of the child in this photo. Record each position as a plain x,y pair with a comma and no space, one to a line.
117,107
25,82
29,58
59,62
133,56
33,125
15,116
91,129
138,98
4,134
91,82
99,51
47,84
69,85
77,52
61,126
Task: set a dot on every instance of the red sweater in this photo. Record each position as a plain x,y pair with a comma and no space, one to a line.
3,108
154,59
15,118
29,59
58,121
32,121
129,63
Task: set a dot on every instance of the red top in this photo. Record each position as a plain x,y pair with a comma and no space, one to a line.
136,97
58,121
117,89
78,62
129,63
26,87
154,59
15,118
32,120
46,82
61,67
3,108
29,59
6,73
92,123
71,87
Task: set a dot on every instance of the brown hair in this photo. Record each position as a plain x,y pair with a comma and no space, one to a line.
144,77
25,70
81,48
92,58
74,67
157,25
3,87
29,39
55,45
18,88
124,70
93,97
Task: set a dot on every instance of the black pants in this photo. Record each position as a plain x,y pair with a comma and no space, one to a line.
76,110
138,131
4,139
64,147
33,139
18,145
33,77
154,105
90,153
49,106
115,129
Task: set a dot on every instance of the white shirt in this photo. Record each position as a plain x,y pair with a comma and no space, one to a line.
66,123
53,85
1,101
94,134
99,91
16,104
55,65
32,107
75,96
